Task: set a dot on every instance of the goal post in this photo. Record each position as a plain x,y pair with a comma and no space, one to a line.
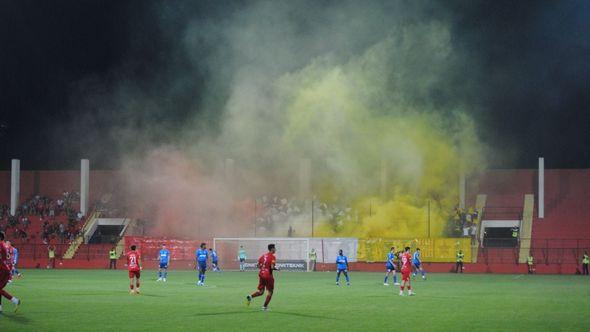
292,253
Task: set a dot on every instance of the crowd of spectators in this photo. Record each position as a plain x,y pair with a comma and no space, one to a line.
276,212
278,215
58,217
109,206
465,222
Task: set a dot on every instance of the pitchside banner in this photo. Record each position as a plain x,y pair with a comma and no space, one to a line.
432,249
285,265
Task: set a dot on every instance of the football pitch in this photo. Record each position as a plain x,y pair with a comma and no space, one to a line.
77,300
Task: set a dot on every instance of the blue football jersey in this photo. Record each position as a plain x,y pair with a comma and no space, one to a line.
416,257
202,255
164,256
15,255
390,258
341,262
214,256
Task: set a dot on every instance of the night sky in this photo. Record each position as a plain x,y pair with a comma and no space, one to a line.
533,73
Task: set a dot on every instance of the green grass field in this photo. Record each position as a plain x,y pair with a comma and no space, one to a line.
75,300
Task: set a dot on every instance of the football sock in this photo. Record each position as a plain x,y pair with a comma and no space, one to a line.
5,294
268,297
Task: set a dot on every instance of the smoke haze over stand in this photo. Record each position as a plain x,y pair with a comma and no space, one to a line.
68,85
350,87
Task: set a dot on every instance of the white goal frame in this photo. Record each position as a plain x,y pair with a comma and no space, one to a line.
268,240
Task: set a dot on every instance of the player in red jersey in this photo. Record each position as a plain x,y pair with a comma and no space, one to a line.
406,270
5,272
10,259
266,264
134,267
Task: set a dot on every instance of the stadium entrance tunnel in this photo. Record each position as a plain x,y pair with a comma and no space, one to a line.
499,237
106,234
106,230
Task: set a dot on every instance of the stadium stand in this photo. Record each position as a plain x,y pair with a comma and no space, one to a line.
556,241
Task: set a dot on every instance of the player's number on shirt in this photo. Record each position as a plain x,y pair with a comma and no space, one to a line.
132,261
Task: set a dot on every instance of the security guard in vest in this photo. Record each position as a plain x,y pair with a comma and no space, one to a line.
113,257
531,264
585,261
459,265
515,235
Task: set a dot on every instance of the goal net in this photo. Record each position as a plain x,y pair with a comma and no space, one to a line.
292,253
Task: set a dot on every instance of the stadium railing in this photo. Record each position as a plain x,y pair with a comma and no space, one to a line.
544,251
40,250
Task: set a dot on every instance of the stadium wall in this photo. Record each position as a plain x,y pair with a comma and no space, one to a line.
187,265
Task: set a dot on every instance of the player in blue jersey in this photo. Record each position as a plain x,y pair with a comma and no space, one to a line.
390,266
164,258
15,270
418,264
14,259
214,260
342,266
202,255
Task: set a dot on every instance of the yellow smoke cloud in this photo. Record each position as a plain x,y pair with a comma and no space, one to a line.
357,118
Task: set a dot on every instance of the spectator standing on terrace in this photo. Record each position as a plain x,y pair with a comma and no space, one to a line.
313,257
51,253
585,262
465,231
62,233
113,259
